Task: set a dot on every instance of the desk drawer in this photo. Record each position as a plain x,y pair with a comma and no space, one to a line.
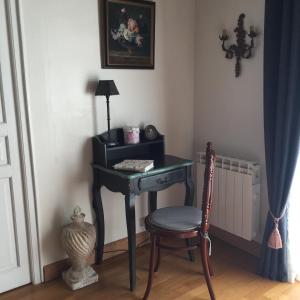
163,180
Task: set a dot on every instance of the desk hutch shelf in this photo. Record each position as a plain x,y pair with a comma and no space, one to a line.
107,156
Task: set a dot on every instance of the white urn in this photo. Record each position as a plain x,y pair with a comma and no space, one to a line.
78,240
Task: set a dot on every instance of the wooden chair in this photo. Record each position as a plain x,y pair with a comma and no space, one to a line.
184,222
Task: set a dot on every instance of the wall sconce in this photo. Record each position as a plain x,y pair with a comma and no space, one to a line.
241,49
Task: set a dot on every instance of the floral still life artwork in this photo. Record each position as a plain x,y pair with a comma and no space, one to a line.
129,34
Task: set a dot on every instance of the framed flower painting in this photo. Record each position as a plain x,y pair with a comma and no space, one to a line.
127,29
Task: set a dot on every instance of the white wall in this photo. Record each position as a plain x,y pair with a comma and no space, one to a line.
62,61
229,110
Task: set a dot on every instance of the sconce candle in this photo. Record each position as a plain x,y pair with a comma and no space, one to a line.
241,49
224,33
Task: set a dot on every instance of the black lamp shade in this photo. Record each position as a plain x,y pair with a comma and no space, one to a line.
106,88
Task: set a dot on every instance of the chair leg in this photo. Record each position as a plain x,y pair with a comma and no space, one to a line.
211,272
206,268
190,252
157,255
151,266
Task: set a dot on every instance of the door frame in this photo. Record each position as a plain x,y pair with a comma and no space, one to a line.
15,29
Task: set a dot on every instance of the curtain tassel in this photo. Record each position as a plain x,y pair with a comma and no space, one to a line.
275,241
206,236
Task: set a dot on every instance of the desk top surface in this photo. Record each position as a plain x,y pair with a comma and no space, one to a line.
168,163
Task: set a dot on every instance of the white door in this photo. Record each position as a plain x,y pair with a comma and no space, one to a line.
14,256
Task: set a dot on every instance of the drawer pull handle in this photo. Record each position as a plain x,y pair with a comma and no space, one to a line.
162,181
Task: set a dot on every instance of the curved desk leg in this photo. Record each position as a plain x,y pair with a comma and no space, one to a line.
152,201
98,208
130,219
189,201
189,187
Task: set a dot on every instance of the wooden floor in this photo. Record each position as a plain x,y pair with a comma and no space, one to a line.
177,279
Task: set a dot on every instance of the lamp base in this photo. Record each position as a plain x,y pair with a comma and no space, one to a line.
110,141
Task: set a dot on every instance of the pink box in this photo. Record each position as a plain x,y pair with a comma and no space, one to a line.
131,135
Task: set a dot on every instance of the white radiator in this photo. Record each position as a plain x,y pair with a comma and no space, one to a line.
236,195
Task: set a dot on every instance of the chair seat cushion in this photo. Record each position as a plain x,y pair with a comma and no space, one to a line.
179,218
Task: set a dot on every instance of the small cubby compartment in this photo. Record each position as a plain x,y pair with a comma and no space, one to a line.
106,156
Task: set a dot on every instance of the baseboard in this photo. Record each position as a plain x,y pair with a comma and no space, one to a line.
54,270
251,247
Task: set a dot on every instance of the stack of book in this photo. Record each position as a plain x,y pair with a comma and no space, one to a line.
135,165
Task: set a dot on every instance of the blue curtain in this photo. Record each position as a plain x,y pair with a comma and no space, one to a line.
281,121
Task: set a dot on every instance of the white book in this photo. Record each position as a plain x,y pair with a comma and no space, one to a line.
136,165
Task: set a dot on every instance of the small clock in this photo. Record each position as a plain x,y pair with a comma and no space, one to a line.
150,132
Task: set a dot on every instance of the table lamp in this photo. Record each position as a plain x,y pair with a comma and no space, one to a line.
107,88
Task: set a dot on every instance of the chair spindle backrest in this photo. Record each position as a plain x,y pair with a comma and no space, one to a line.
208,186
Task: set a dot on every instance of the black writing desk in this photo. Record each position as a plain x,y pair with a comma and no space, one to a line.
167,171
